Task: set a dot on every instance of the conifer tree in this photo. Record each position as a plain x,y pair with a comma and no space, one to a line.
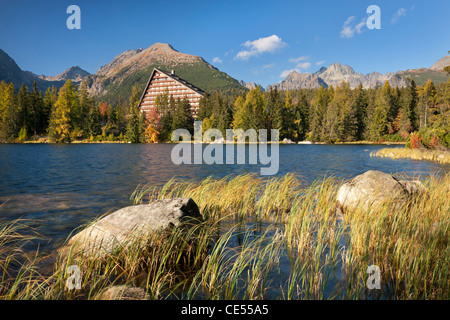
182,117
276,112
60,122
408,109
320,104
383,106
26,115
135,124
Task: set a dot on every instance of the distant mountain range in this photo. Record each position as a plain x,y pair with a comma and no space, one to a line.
114,81
250,85
336,73
10,72
75,73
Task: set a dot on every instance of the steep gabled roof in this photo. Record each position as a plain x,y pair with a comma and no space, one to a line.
174,77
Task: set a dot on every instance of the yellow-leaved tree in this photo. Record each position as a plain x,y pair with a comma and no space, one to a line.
60,120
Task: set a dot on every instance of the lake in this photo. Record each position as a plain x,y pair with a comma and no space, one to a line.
60,187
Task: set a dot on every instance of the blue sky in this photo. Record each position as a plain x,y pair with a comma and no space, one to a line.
250,40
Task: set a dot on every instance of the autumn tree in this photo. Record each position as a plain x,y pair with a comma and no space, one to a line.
8,112
152,126
60,121
427,101
380,120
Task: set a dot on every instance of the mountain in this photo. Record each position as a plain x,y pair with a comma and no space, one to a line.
421,75
334,75
295,80
251,85
115,80
441,63
11,72
435,72
76,74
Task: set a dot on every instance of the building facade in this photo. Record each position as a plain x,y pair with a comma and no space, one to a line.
161,82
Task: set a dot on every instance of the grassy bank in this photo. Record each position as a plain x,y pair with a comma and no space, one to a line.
398,153
261,239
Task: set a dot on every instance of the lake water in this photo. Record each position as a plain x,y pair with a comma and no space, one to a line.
60,187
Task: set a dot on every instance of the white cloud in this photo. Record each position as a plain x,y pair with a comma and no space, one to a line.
297,60
304,65
267,66
361,25
217,60
347,31
285,73
400,13
261,45
319,63
349,28
300,65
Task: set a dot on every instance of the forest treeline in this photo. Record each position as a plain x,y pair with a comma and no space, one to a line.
334,114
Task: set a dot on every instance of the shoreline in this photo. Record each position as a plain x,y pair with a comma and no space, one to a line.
363,142
442,157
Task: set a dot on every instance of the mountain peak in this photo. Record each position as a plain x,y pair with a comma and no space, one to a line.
161,46
130,61
441,63
74,73
296,80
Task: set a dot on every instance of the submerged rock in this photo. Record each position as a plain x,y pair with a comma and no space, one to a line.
374,187
132,223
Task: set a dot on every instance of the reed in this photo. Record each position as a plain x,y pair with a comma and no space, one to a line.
415,154
263,239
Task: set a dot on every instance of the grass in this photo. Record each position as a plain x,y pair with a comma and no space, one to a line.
398,153
261,239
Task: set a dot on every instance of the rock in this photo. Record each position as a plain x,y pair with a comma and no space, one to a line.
137,222
374,187
413,187
289,141
123,293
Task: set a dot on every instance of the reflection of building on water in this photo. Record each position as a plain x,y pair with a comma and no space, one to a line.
161,82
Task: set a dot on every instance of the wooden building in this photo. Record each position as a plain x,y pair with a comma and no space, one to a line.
161,81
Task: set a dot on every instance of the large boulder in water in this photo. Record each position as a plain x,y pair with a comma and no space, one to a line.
134,223
374,187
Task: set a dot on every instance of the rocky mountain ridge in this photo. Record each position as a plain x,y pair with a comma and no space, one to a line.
335,74
75,73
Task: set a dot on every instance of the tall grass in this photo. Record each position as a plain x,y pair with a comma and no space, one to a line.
415,154
19,274
269,239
